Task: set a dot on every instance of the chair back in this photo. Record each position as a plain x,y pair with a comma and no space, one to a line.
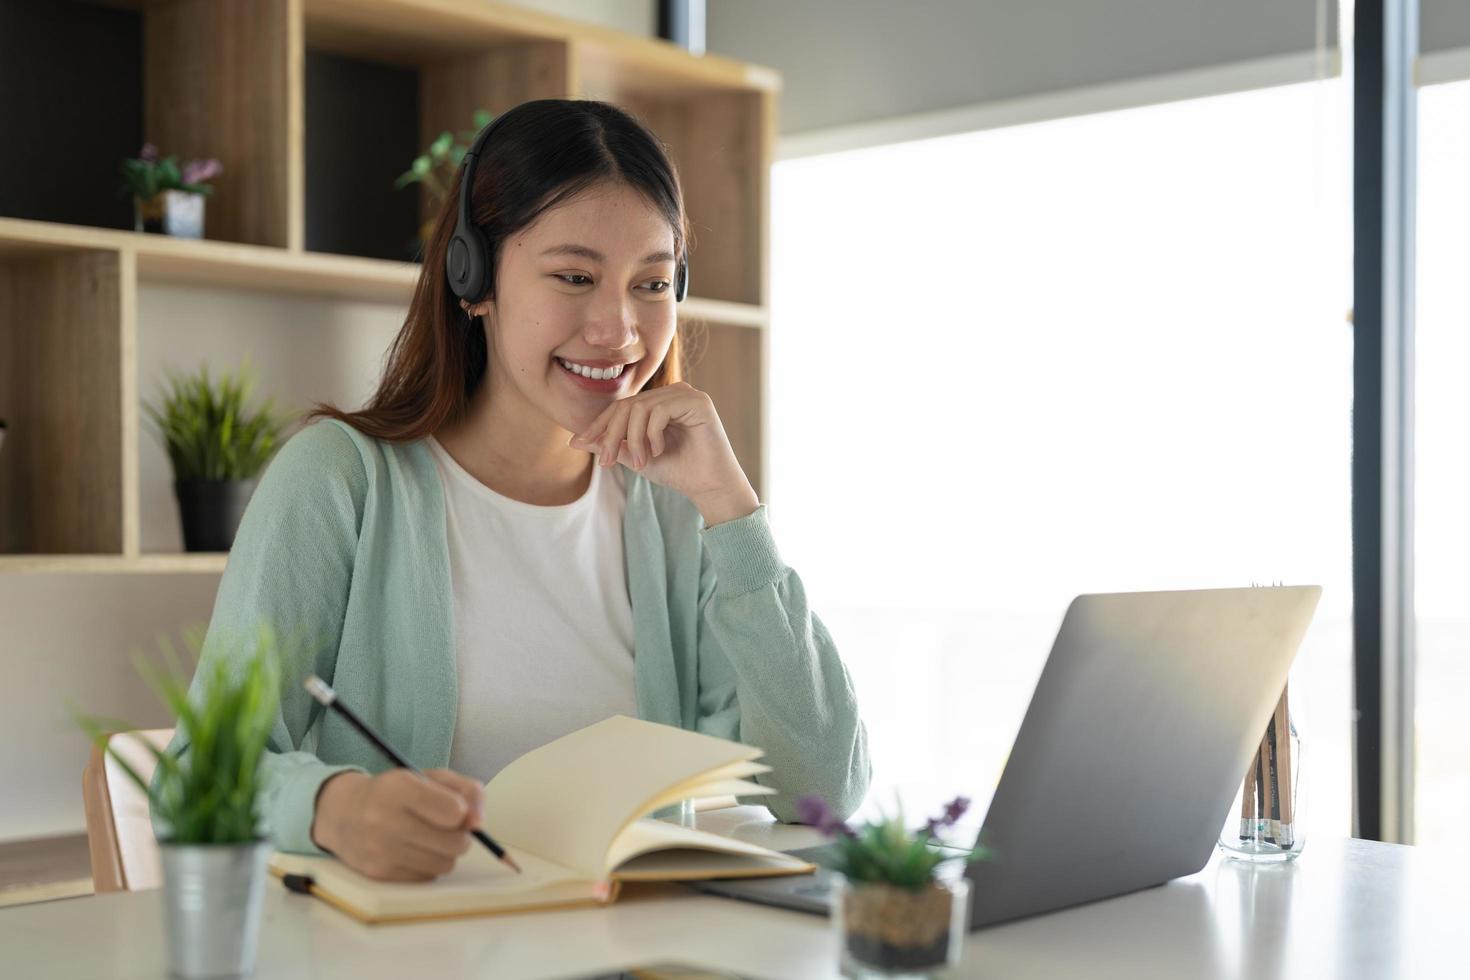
119,829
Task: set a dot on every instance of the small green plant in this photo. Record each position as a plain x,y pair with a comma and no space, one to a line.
207,429
145,175
436,166
884,851
209,796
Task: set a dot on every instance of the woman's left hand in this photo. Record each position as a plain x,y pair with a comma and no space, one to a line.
673,436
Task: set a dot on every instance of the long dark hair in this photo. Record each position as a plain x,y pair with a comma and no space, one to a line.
543,153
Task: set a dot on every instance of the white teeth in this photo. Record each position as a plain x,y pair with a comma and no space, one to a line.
596,374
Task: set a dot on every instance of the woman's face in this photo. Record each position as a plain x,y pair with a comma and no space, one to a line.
587,288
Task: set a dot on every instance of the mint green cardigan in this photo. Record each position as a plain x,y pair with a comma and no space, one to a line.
344,544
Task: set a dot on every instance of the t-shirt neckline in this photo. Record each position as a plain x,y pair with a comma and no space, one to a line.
467,480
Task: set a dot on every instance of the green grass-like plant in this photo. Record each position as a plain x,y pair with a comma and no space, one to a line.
885,851
210,795
207,429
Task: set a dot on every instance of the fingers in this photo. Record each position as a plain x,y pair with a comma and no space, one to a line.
412,857
468,789
642,420
658,420
430,800
610,443
638,433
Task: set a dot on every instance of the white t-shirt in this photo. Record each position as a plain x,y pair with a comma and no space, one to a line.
543,627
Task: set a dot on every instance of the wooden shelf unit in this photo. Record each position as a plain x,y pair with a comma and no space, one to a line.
227,78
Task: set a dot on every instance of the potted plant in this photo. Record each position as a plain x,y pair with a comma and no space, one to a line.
435,168
205,805
217,447
168,198
894,912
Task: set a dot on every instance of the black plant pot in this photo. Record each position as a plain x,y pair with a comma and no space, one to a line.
211,511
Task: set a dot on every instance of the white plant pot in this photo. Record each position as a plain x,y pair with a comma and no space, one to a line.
212,895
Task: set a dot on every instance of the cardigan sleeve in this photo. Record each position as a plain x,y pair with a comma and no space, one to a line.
770,674
290,569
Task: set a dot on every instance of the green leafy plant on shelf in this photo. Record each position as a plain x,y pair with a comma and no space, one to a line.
208,430
436,167
148,174
885,851
211,794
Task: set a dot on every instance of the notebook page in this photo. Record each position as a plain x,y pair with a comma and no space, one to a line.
723,787
478,880
699,853
569,799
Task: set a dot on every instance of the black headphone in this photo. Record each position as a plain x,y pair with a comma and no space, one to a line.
467,262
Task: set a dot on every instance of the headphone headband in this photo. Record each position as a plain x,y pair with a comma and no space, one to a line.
467,261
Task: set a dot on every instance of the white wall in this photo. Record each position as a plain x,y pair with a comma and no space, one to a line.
1443,25
1444,41
71,636
850,61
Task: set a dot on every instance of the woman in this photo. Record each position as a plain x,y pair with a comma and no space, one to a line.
531,526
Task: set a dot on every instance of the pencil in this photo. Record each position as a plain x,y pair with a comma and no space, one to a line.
1273,786
323,692
1284,764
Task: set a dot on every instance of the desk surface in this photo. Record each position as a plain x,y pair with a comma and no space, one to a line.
1346,909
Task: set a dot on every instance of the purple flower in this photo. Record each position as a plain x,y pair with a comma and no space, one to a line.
197,171
953,810
149,153
813,810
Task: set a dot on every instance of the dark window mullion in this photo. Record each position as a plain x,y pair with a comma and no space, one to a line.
1384,144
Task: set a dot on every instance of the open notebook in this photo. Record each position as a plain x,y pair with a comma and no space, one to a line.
571,814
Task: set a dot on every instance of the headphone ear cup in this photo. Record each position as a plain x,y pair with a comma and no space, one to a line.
467,264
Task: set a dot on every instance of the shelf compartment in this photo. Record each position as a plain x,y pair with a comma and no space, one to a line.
222,79
72,74
354,154
64,317
197,78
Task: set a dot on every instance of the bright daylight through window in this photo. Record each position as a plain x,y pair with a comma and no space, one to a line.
1442,480
1105,353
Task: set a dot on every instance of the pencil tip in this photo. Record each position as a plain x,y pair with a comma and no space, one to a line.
512,862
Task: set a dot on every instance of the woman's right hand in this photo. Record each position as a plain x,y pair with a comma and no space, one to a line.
396,826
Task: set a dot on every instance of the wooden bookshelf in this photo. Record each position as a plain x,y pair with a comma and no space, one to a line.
69,481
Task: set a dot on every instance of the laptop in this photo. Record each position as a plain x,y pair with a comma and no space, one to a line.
1138,734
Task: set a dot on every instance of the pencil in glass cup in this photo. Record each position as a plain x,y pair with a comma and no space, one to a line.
323,692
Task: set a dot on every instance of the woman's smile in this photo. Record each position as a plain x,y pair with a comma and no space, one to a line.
601,376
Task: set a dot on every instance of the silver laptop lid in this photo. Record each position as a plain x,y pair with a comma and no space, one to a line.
1137,736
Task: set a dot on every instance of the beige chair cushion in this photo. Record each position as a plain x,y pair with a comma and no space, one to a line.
124,851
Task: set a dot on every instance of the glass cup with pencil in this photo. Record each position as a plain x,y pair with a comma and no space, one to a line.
1264,824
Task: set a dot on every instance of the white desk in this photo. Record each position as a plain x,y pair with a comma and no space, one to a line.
1345,909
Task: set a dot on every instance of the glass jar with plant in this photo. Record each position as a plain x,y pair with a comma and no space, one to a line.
205,803
435,168
168,198
217,446
897,908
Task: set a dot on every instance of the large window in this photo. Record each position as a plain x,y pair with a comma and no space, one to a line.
1104,353
1442,477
